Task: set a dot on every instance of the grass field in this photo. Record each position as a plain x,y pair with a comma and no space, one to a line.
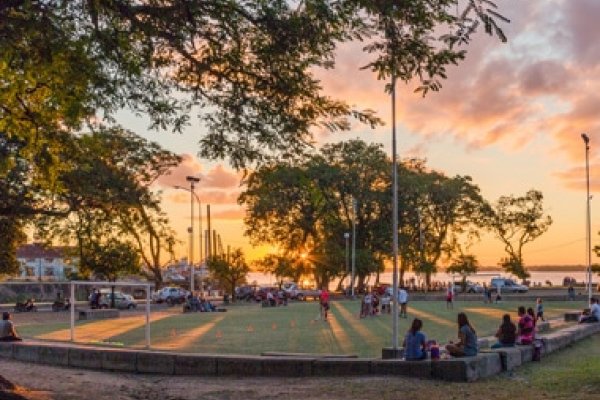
251,329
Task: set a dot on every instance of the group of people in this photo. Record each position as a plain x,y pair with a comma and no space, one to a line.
196,304
508,334
373,303
416,345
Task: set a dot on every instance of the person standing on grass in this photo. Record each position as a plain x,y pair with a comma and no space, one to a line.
571,292
450,296
539,310
415,342
403,301
324,302
7,329
467,339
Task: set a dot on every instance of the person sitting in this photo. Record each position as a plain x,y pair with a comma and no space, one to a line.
415,342
507,333
271,299
7,329
593,315
526,327
467,344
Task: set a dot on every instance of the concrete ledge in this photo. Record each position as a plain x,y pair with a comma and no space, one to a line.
6,349
155,363
26,352
572,316
54,355
510,357
390,353
119,360
201,365
416,369
98,314
306,355
85,358
291,367
341,367
467,369
242,365
543,326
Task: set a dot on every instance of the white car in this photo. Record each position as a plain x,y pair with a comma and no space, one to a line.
170,294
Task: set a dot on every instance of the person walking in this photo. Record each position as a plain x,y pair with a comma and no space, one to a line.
539,310
324,303
450,296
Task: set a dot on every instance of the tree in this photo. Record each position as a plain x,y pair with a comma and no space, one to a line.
283,266
517,221
231,270
464,265
11,232
306,207
108,190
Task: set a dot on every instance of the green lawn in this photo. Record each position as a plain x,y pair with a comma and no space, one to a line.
251,329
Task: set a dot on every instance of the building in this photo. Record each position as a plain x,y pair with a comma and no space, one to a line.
45,263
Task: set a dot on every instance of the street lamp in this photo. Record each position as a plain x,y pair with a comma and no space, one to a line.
193,180
394,222
586,140
354,206
347,236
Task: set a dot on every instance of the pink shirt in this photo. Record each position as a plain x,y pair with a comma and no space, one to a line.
324,296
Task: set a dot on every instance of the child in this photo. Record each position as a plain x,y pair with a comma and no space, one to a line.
539,310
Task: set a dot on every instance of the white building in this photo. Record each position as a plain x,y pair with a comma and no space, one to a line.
45,263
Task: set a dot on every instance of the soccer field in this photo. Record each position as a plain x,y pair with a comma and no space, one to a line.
251,329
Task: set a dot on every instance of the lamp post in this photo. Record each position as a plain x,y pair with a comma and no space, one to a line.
586,140
193,180
347,237
394,222
353,245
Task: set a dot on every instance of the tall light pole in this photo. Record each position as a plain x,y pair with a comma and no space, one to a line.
394,222
347,237
193,180
586,140
353,244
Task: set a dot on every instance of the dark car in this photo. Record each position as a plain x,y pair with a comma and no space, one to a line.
245,293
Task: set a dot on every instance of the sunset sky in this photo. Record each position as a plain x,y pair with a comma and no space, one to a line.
510,116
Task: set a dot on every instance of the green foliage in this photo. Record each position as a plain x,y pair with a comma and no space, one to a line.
283,266
110,259
231,269
517,221
464,265
12,236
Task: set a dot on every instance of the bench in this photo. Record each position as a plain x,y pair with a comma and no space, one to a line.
98,314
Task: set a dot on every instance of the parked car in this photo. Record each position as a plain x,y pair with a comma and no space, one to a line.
171,295
261,293
122,301
473,287
298,293
245,293
507,286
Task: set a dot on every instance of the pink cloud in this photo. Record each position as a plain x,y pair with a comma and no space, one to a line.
233,213
220,177
189,166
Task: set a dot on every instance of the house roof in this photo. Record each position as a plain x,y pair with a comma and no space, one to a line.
37,250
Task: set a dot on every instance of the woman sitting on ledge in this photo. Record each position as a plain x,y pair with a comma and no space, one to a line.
415,342
507,333
467,345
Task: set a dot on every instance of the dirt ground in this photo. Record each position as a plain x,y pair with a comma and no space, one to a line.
40,382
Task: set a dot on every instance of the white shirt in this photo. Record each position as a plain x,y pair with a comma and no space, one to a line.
368,299
402,296
595,310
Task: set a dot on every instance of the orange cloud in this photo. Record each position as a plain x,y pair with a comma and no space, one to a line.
189,166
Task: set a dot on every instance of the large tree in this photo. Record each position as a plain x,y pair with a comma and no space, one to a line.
516,221
108,190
